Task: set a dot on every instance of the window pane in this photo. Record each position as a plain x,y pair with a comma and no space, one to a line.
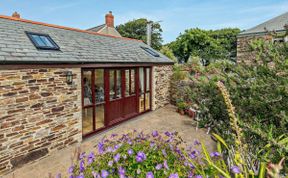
38,40
141,80
118,85
99,85
127,83
141,103
87,120
112,84
133,81
87,88
99,116
147,79
147,101
46,41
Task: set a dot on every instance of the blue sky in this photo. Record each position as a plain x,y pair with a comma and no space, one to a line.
177,15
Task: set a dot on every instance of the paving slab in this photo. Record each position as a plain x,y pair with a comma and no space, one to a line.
164,119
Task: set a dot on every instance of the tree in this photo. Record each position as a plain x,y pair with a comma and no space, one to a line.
137,29
209,45
169,53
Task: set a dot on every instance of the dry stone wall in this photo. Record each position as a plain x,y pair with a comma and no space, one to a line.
39,113
161,85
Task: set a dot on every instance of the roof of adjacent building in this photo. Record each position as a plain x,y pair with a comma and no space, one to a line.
276,24
76,46
104,29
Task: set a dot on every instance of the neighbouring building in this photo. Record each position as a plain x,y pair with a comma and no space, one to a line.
59,85
271,30
108,28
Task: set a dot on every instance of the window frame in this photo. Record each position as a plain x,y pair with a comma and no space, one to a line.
150,51
56,47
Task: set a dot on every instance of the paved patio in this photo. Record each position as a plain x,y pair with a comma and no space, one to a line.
164,119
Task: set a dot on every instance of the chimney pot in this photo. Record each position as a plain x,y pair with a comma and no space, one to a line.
16,15
109,19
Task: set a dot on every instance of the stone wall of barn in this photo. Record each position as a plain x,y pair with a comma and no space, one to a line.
39,113
161,85
244,53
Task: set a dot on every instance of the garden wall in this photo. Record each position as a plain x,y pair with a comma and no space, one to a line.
39,113
244,54
161,85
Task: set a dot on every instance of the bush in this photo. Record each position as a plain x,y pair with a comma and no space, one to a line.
259,93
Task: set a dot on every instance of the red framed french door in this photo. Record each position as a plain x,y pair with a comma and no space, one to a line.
93,100
121,94
145,88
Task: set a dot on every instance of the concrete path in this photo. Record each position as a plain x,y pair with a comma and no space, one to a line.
164,119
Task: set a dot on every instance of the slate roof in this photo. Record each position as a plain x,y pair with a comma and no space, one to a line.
76,46
276,24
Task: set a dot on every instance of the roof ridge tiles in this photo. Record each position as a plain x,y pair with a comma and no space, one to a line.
63,27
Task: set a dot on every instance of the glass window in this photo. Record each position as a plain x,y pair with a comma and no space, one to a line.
147,101
112,84
127,82
133,80
147,79
151,52
141,103
87,120
99,85
141,80
87,90
118,84
42,41
99,116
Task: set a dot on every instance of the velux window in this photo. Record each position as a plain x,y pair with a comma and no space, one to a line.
42,41
150,51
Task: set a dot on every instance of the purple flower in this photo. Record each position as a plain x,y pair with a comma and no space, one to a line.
116,147
140,156
198,176
196,142
155,133
81,166
152,144
104,173
58,175
138,171
168,134
166,165
158,166
149,175
91,158
174,176
215,154
113,135
130,152
82,155
121,172
80,176
71,169
110,163
235,169
192,155
124,156
95,174
117,157
100,147
109,149
164,153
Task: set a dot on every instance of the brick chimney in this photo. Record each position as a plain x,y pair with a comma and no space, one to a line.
16,15
109,19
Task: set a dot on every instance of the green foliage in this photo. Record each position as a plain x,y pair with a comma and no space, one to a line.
169,53
178,73
209,45
259,94
137,29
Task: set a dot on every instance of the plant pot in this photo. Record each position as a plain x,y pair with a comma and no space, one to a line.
182,112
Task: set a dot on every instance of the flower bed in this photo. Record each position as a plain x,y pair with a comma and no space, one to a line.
137,155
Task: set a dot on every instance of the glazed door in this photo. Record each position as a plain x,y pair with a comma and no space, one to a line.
93,100
121,94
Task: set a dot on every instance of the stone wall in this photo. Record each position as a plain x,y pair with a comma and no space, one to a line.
39,113
161,85
244,54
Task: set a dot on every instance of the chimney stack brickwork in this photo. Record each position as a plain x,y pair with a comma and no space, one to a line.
16,15
109,19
